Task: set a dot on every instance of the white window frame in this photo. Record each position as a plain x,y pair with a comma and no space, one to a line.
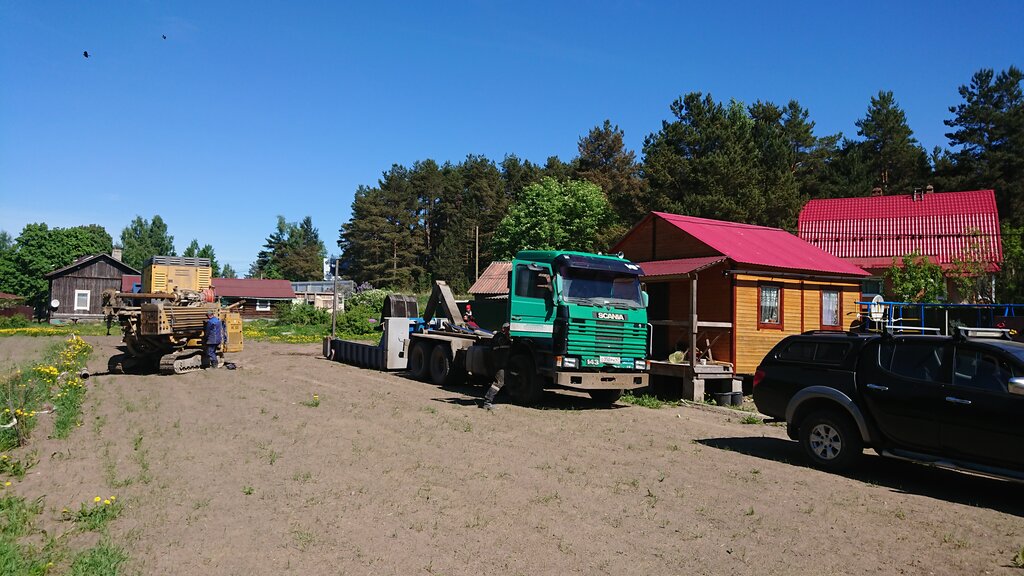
88,297
262,305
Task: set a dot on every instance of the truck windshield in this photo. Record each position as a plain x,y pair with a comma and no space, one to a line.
599,287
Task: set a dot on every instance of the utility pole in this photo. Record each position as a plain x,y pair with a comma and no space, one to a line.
334,307
477,243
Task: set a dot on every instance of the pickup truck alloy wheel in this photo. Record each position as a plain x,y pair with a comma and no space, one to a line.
830,439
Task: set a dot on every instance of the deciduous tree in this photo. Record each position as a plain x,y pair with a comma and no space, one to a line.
143,239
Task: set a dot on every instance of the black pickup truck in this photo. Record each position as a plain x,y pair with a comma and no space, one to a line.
950,401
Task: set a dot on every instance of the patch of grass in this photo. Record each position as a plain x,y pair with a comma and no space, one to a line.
313,402
15,467
647,401
95,516
248,490
750,419
104,559
304,539
16,516
303,477
1018,558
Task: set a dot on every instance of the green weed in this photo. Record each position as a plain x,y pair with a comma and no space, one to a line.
1018,558
104,559
248,490
750,419
312,403
95,516
647,401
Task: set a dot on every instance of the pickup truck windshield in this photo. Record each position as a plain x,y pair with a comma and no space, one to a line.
600,288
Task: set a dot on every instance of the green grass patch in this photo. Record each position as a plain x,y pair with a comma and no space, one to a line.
96,515
750,419
647,401
34,329
104,559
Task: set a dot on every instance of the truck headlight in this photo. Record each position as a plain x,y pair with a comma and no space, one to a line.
640,364
569,362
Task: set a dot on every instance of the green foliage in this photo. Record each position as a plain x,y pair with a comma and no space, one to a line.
896,159
916,279
228,272
969,270
646,400
988,135
143,239
302,314
14,322
40,250
372,299
552,215
1010,279
104,559
293,252
194,251
95,516
359,322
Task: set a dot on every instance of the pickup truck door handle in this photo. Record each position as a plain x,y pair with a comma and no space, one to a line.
517,317
877,387
956,400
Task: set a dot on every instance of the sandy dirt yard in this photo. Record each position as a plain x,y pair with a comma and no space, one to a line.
227,472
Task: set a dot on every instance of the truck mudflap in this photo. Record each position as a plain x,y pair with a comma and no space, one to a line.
601,380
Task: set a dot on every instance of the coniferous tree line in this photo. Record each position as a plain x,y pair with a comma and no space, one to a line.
756,163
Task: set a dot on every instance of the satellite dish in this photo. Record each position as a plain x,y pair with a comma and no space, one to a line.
876,310
54,304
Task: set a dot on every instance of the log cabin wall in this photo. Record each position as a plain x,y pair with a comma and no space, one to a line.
801,311
93,279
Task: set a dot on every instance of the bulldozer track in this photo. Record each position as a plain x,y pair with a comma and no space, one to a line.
180,363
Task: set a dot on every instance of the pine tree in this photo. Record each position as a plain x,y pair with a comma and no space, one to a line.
898,161
604,160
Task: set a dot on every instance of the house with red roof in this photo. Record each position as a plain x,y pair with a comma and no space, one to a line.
261,296
739,288
870,232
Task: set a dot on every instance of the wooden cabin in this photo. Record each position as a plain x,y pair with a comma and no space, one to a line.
262,296
78,287
736,289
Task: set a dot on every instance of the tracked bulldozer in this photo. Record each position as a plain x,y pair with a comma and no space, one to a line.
163,325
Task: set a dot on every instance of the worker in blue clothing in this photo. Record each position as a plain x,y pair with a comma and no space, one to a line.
213,331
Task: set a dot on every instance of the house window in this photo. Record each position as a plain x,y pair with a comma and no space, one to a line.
831,309
769,306
81,300
263,305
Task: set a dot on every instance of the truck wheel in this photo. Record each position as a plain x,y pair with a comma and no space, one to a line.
440,365
521,379
419,361
607,397
831,440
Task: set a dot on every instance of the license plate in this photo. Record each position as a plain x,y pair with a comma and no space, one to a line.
609,359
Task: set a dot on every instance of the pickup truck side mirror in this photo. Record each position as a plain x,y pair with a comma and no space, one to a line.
1016,386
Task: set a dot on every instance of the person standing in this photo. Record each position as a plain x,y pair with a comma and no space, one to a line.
213,332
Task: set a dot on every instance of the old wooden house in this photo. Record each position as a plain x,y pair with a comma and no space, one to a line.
77,288
736,289
262,296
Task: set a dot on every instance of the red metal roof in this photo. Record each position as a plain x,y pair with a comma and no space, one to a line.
493,280
253,288
678,266
128,280
760,246
872,231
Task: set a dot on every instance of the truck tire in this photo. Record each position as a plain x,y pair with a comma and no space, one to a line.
524,386
831,440
440,365
419,361
606,397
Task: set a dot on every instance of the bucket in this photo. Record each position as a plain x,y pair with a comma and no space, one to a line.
722,398
737,398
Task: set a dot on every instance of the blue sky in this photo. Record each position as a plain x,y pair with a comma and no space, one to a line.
249,110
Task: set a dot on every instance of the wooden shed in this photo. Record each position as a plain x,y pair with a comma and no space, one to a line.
262,296
78,287
736,289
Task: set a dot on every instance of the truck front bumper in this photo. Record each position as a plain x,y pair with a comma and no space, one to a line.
601,380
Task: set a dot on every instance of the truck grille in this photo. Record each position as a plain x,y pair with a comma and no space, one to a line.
605,338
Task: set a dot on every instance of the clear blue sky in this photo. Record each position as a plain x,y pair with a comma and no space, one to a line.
249,110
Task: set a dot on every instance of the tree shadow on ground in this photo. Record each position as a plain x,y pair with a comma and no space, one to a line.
896,475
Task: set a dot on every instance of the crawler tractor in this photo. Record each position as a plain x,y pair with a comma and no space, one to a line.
163,324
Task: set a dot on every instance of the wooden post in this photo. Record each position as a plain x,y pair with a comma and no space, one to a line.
477,244
334,307
693,320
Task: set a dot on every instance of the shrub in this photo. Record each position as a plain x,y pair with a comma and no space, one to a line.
302,314
359,320
373,299
15,321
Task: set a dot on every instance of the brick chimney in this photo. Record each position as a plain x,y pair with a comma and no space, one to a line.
116,254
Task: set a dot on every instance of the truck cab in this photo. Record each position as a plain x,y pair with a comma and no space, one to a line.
583,318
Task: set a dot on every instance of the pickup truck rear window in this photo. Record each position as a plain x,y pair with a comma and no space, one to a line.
814,352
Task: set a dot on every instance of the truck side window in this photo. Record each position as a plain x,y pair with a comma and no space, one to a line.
917,360
976,369
531,283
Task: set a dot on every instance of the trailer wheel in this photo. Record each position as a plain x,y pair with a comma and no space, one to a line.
419,361
522,381
440,365
607,397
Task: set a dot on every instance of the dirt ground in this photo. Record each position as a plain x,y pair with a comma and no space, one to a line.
227,472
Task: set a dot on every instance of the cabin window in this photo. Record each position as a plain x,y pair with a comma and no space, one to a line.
263,305
81,299
769,306
831,309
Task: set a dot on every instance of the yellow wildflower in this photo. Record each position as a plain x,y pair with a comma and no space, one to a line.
106,502
96,499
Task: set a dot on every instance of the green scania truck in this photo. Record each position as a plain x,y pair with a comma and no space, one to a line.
574,320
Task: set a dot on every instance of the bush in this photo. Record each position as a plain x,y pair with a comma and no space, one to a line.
16,321
372,299
359,320
302,314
